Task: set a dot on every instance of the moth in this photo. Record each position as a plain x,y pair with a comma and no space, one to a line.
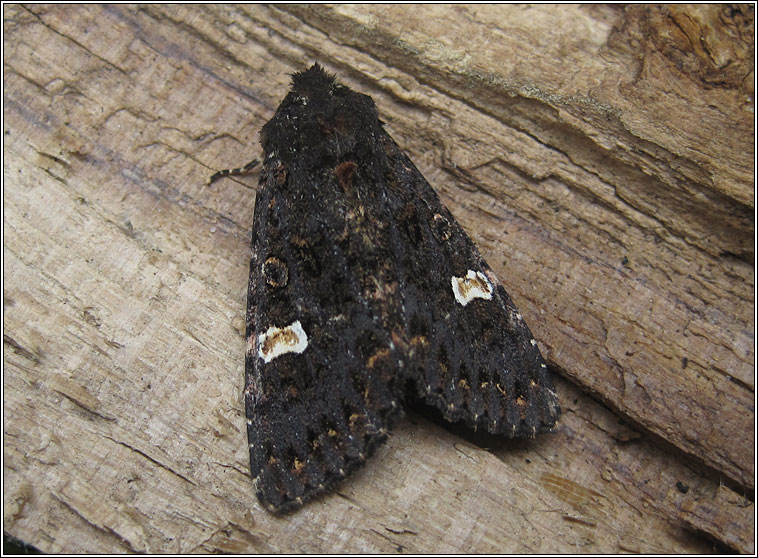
365,292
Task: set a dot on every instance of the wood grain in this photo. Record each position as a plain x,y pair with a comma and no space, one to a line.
602,159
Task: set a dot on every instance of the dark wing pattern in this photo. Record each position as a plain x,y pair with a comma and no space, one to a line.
474,357
362,287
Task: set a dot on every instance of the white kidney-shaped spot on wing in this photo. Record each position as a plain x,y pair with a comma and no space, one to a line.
474,285
281,340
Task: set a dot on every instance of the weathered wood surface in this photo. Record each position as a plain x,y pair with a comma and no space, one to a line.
602,159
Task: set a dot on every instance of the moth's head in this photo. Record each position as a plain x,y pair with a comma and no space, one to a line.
320,120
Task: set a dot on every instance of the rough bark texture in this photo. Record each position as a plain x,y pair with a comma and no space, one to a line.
600,157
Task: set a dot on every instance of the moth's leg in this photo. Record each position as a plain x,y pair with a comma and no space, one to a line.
234,172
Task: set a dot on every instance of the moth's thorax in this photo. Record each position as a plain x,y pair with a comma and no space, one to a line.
320,123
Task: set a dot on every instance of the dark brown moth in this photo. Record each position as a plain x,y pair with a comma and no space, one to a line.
363,290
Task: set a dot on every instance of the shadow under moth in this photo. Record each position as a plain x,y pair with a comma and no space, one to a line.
365,292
